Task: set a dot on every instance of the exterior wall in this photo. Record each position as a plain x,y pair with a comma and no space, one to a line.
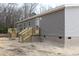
21,26
32,23
52,26
73,42
72,26
37,21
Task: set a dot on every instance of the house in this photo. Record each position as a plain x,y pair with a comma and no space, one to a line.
60,24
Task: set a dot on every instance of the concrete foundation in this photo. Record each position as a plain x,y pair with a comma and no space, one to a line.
55,40
36,38
58,41
73,42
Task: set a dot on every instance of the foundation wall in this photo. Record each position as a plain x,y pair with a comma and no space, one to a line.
73,42
55,40
36,39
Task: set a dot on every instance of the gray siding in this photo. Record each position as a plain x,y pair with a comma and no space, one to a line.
53,24
32,23
21,26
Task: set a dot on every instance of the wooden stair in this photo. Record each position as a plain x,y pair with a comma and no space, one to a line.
26,34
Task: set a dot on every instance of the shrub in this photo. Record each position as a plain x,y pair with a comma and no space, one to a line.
3,28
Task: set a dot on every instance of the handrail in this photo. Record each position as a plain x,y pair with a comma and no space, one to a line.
28,33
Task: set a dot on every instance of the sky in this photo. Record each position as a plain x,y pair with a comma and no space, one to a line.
52,3
41,1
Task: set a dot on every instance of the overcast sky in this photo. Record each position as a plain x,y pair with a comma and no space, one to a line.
54,2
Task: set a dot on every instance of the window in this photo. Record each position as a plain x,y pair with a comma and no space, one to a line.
29,23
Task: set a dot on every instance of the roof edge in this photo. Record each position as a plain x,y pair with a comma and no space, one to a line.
44,13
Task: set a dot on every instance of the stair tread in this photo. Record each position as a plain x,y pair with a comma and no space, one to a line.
26,34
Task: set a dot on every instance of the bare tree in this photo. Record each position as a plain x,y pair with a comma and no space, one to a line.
42,8
28,9
10,12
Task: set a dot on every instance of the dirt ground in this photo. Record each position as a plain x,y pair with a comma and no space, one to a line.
15,48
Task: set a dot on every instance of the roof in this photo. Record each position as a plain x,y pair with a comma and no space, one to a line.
71,5
48,12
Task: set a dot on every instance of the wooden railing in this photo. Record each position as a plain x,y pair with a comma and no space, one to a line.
12,33
26,34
